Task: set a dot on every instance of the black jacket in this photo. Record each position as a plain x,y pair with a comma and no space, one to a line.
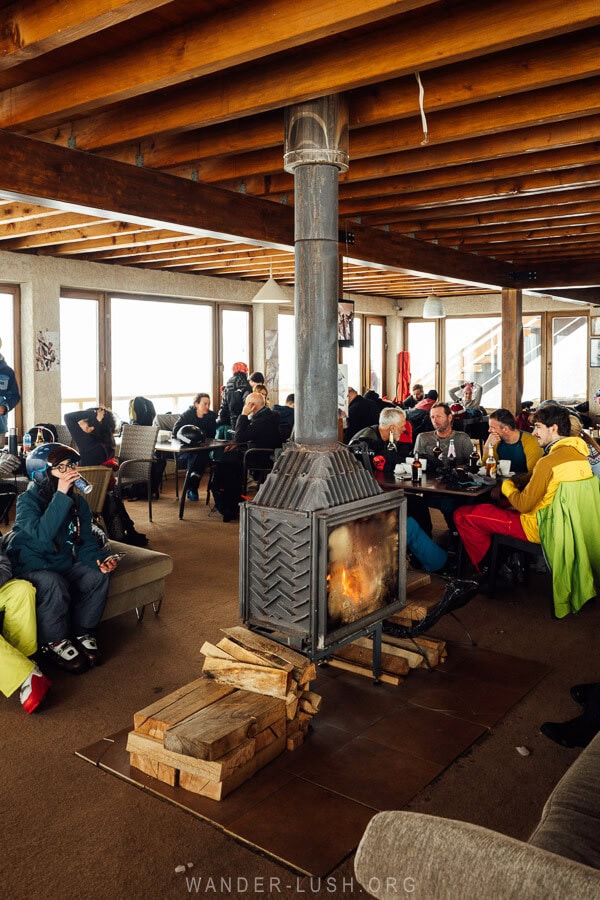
361,414
96,446
262,430
208,422
234,395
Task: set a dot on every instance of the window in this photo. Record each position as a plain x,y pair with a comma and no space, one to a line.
473,353
8,311
79,347
235,338
352,357
162,350
421,343
569,358
376,355
532,357
287,355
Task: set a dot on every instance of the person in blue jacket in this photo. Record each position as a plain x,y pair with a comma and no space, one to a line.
52,545
9,392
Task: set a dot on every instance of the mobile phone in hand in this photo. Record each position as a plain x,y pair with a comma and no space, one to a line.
115,556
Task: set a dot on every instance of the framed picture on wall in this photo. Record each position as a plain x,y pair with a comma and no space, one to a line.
595,353
345,323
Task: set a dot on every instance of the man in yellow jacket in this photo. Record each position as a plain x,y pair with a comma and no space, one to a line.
564,459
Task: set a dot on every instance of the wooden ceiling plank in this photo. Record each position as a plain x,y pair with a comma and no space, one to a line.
43,225
33,27
420,43
160,239
231,37
57,239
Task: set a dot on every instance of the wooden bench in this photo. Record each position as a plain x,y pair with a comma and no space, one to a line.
138,581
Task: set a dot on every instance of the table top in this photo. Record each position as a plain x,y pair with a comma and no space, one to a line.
429,485
177,447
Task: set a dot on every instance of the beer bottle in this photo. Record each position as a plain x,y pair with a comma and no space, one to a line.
474,460
451,453
39,438
437,452
491,465
416,469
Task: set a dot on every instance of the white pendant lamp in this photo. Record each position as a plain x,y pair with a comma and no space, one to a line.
433,308
270,292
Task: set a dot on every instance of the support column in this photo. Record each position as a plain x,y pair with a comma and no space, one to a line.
316,150
512,349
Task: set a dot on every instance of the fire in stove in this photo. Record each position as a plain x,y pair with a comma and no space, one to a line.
362,574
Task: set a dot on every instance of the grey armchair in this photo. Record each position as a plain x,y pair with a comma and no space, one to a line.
136,455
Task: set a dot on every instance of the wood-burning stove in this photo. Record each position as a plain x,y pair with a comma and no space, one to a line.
315,578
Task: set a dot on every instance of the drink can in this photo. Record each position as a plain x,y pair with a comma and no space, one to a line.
83,485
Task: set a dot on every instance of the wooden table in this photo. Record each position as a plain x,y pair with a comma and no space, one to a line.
428,486
175,448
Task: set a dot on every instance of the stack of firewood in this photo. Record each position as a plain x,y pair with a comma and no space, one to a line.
249,661
213,734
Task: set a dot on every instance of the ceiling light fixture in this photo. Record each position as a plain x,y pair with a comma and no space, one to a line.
433,308
270,292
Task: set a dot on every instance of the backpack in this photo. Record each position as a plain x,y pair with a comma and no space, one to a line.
141,411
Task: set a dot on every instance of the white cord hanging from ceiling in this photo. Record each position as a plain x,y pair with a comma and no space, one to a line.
423,116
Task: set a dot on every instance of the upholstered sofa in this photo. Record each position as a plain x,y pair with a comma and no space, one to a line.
403,853
138,581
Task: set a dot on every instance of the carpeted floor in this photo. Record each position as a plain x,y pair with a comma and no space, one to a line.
71,830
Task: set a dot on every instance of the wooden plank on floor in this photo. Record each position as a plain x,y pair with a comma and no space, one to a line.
152,750
179,705
217,790
212,732
363,670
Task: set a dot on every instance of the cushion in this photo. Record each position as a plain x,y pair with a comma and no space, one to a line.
570,822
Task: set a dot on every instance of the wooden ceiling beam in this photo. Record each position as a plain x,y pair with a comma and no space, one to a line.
454,235
522,166
229,38
567,58
417,43
437,156
67,179
522,185
33,27
524,205
567,101
47,223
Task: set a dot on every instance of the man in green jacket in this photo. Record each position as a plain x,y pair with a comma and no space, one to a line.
564,459
52,545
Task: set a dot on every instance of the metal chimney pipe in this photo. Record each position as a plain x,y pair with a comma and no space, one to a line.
316,150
